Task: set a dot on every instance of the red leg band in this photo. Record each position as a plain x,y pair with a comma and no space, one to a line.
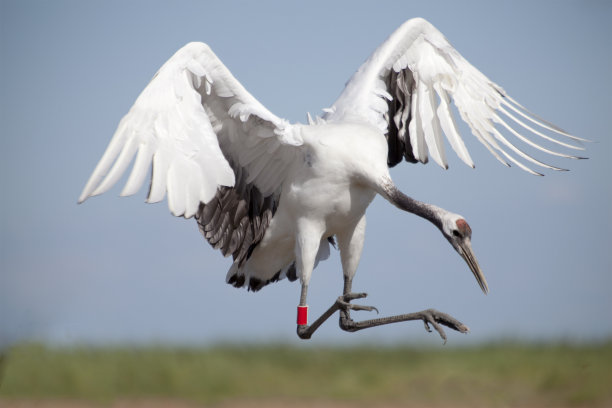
302,315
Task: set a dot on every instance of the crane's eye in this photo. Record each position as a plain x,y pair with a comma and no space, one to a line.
456,233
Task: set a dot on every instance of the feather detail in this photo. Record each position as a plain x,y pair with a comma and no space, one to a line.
190,118
440,74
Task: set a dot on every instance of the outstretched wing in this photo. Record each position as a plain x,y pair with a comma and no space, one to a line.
213,148
405,89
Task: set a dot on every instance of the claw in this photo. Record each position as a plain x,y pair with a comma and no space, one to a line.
344,302
362,307
347,297
433,317
439,330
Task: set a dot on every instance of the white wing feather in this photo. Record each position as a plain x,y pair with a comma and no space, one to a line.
441,73
190,117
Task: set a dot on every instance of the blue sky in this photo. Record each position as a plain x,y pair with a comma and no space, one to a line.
119,270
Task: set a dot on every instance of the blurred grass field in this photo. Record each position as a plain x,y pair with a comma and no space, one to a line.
495,375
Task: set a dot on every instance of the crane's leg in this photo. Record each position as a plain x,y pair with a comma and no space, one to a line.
307,245
305,331
342,304
351,244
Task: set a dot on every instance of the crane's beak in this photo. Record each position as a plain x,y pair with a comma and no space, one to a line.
465,250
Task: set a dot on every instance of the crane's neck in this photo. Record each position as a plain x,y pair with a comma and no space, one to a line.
430,212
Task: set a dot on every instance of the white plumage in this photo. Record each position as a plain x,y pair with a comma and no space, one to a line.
271,193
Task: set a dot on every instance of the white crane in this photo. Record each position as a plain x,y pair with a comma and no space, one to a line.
274,194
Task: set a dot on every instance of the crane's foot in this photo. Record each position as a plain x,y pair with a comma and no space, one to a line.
429,317
343,303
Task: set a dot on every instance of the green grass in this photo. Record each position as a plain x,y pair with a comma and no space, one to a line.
492,376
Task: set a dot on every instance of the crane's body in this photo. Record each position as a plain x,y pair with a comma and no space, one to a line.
326,192
274,195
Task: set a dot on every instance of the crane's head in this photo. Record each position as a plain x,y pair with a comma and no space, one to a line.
453,226
459,234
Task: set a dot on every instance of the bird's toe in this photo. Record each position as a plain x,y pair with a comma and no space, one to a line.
347,297
345,305
436,318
